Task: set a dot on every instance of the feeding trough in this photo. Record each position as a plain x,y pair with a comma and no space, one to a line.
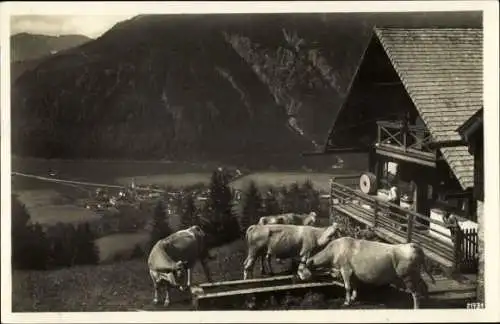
212,295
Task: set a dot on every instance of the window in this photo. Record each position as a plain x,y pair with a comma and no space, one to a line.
463,207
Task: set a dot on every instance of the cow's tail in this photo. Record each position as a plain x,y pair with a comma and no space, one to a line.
423,261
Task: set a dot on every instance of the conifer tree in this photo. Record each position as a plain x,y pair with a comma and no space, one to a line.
252,206
283,199
271,203
219,207
39,248
189,211
293,199
20,232
310,197
86,251
160,227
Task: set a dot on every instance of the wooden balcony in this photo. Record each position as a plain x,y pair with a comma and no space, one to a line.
413,145
455,252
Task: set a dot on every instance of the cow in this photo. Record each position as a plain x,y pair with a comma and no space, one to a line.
290,219
283,241
365,234
171,260
372,263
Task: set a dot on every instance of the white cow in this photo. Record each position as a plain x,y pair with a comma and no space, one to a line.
290,219
283,242
373,263
173,257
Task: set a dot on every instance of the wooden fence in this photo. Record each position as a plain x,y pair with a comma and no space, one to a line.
469,248
398,225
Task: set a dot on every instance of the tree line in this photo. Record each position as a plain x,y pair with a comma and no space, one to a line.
33,248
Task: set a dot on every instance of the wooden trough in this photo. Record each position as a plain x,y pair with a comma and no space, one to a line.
212,295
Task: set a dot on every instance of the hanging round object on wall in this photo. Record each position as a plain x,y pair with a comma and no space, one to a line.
368,183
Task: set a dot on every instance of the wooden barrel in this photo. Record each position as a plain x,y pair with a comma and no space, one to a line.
368,183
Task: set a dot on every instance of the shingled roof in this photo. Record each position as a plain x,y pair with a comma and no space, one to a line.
442,71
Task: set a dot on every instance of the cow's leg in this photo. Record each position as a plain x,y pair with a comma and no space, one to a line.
268,262
263,270
188,284
156,293
347,276
416,302
423,289
166,303
410,277
248,266
156,288
411,284
206,270
354,287
354,294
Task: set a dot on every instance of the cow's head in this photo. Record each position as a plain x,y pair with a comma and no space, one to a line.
311,218
328,235
197,231
278,220
303,271
179,275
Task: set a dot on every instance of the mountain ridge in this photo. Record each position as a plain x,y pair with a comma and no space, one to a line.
198,86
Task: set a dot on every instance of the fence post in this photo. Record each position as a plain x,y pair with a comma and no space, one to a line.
457,242
409,227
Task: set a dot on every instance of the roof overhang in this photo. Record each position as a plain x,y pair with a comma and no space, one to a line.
472,126
450,143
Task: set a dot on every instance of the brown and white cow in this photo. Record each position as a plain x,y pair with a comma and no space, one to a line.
283,242
372,263
171,259
290,219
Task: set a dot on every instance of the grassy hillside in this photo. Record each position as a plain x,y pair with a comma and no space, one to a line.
116,287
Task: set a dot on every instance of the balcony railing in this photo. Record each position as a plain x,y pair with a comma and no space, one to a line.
414,138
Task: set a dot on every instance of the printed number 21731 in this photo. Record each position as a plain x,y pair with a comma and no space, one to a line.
475,305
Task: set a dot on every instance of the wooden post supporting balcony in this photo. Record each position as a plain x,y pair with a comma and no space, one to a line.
409,227
457,245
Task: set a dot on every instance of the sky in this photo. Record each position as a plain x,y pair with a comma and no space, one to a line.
89,25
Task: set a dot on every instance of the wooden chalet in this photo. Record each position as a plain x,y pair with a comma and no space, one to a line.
412,90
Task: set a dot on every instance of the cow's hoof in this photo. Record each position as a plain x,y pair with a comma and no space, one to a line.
346,303
166,303
156,301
